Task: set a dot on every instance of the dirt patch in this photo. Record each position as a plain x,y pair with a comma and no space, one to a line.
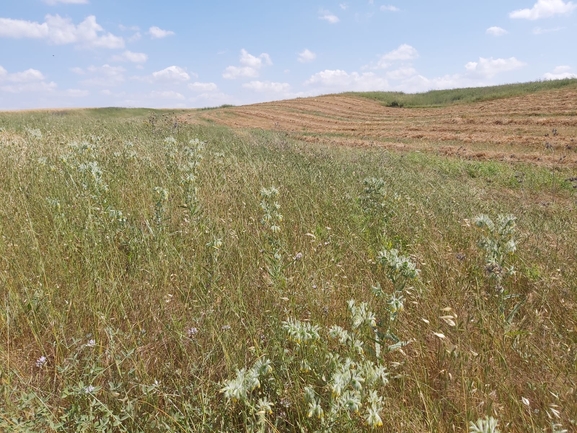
540,128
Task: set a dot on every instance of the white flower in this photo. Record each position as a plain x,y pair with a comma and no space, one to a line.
41,362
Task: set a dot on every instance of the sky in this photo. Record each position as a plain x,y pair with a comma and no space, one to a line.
205,53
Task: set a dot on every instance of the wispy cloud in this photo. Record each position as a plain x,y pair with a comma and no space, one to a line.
129,56
389,8
328,16
496,31
70,2
267,86
540,31
158,33
544,9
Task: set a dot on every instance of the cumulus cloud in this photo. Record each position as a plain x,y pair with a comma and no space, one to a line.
158,33
389,8
250,66
544,9
488,68
560,73
172,73
69,2
267,86
30,80
496,31
306,56
403,53
105,75
61,31
129,56
341,80
202,87
328,16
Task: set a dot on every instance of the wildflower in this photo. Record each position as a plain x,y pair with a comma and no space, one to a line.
298,256
191,332
41,362
89,389
91,343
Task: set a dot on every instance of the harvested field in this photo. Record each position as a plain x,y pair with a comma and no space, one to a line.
539,128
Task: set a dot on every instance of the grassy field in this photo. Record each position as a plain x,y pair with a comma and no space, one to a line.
157,276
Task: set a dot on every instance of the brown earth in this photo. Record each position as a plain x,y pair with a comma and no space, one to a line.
539,128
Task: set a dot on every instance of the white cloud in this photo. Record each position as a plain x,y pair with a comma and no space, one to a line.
158,33
328,16
344,81
306,56
389,8
70,2
129,56
560,73
172,73
344,6
496,31
105,76
61,31
488,68
77,93
202,87
77,70
169,94
251,66
540,31
402,73
404,52
267,86
30,80
544,9
135,37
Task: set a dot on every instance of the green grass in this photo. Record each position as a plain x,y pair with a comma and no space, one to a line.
442,98
143,316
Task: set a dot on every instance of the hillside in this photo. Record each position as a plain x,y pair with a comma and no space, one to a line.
538,127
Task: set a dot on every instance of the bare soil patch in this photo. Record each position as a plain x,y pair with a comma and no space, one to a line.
539,128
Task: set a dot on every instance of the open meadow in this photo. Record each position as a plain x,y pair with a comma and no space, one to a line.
340,264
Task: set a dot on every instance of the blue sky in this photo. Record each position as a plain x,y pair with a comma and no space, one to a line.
199,53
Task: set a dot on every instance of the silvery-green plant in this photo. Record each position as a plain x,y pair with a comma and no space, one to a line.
271,221
192,156
161,196
375,207
340,381
245,391
499,245
484,425
498,242
401,271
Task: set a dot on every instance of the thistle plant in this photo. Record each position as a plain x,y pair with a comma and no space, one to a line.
192,157
271,221
401,271
499,244
161,195
484,425
373,201
342,375
245,391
